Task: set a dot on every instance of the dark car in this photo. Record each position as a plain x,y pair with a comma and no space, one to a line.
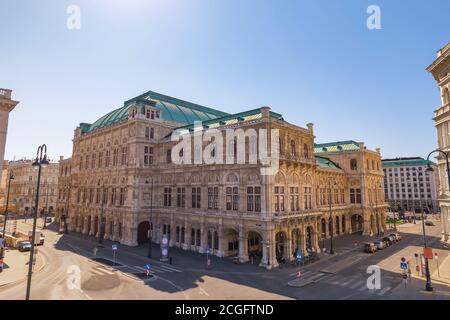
388,241
370,247
24,246
429,223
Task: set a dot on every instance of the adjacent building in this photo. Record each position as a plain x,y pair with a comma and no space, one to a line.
440,69
409,185
245,183
6,106
23,187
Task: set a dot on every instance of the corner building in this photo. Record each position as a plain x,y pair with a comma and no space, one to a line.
122,173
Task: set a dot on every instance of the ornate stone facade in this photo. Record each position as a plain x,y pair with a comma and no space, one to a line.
23,187
440,69
6,106
123,172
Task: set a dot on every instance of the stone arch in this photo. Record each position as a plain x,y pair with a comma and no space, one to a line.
281,246
280,178
232,177
255,244
142,232
357,223
231,239
296,236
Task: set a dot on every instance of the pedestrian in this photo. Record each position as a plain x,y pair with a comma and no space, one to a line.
299,274
405,278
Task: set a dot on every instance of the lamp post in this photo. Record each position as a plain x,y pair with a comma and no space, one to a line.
46,207
11,177
150,230
331,217
428,286
40,162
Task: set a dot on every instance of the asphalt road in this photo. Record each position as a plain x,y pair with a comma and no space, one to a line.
341,277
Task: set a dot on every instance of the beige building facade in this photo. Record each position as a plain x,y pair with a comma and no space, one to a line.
440,69
128,174
23,187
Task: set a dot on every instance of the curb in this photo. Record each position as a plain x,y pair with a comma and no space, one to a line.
293,283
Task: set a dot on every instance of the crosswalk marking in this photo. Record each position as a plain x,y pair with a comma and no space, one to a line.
353,286
384,290
364,287
169,268
320,274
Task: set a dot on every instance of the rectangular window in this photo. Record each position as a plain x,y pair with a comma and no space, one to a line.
213,197
307,198
152,133
279,199
123,161
147,132
250,198
181,197
148,155
196,197
355,195
167,197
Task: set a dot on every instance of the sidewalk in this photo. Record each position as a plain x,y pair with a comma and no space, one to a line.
16,266
415,290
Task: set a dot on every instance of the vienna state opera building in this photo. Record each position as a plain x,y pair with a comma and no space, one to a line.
246,184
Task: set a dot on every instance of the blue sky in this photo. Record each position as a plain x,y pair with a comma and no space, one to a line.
313,61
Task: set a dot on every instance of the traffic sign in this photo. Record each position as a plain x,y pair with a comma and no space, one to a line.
114,247
403,265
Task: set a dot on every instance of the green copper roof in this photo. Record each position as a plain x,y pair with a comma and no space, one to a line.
405,162
171,109
349,145
234,118
326,163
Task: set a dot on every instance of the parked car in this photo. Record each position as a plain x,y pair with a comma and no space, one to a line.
387,241
370,247
397,236
380,244
429,223
41,239
393,238
24,246
48,220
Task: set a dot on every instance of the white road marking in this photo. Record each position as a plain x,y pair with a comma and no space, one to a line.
353,286
316,276
384,290
169,268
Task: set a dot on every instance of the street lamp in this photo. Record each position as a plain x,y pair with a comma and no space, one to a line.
11,177
46,206
40,162
150,230
428,286
331,217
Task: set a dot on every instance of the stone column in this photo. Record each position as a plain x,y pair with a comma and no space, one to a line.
92,230
222,242
202,239
172,231
187,235
107,228
366,224
243,246
445,223
288,251
79,227
85,224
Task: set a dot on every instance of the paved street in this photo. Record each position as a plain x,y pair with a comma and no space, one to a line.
342,276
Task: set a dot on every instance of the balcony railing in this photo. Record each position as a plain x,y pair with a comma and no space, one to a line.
5,93
442,110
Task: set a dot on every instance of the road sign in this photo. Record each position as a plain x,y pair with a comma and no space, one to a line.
148,267
428,253
403,265
114,247
164,248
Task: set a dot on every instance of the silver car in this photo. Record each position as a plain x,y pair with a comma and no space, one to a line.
380,244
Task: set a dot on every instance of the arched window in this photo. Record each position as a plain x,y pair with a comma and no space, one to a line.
353,164
305,151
